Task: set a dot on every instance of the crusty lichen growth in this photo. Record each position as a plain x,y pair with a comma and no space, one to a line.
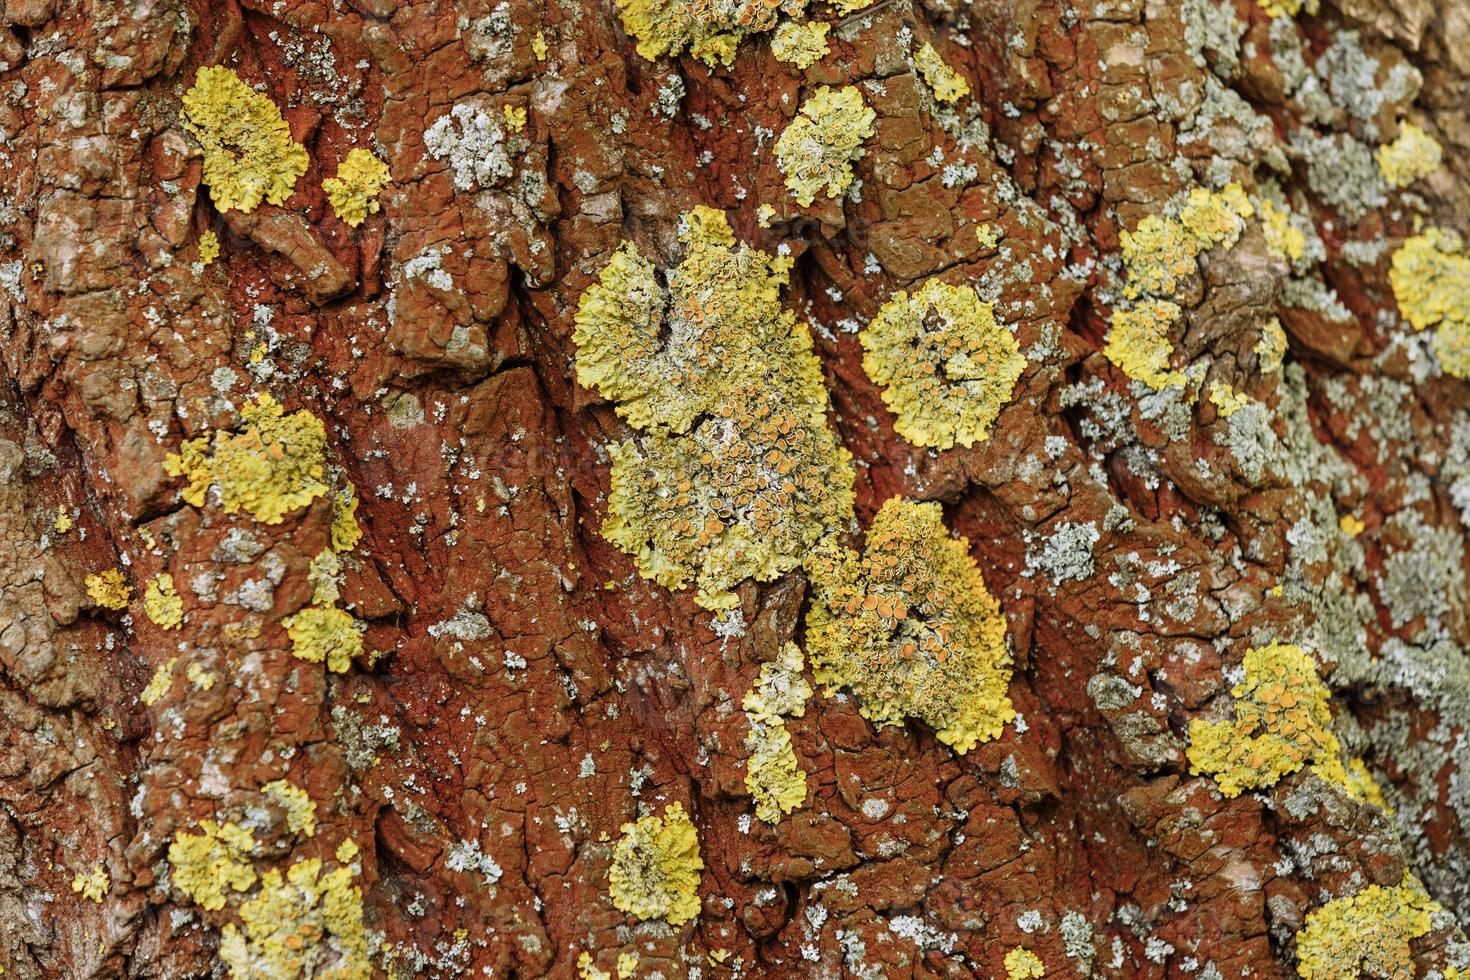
1412,155
353,193
1284,240
92,885
159,683
249,155
109,589
655,869
305,924
162,603
800,44
773,774
1365,935
911,628
1139,343
947,84
1227,400
761,479
816,151
1430,276
208,247
273,465
296,802
321,633
711,31
206,865
346,532
1287,8
1282,723
1271,348
945,364
62,522
1022,964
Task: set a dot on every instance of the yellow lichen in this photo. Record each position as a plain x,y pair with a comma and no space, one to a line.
1227,400
1365,935
802,45
1282,723
325,634
816,151
761,479
345,530
62,522
655,868
1361,785
773,774
202,679
947,84
710,31
627,964
587,968
1430,276
1271,348
307,924
159,683
1022,964
945,365
515,118
208,247
205,865
248,151
1139,343
300,810
162,602
1350,525
1284,240
1412,155
353,193
911,628
270,467
92,885
109,590
987,235
1287,8
539,46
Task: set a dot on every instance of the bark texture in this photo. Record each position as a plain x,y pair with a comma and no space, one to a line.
522,693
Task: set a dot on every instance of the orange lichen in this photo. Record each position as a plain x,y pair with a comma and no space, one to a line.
1367,934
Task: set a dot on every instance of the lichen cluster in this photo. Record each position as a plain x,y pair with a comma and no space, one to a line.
162,602
911,628
92,885
800,44
816,151
773,774
109,589
207,865
1412,155
711,31
249,155
656,866
304,924
947,84
1430,276
1365,935
353,193
1158,255
749,490
1022,964
946,366
296,802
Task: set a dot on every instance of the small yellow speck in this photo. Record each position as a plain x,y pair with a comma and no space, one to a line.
63,522
1351,525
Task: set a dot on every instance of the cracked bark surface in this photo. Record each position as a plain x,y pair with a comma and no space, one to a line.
529,692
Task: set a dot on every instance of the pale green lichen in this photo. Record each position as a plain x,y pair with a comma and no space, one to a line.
162,603
773,774
1430,276
945,365
800,44
1414,154
109,589
911,628
297,804
656,866
305,924
353,193
207,865
751,489
947,84
248,151
1367,934
816,151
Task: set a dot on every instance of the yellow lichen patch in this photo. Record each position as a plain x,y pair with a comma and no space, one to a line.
1365,935
945,365
655,869
587,968
270,467
92,885
1227,400
515,118
1287,8
911,628
205,865
353,193
947,84
1284,240
1271,348
1412,155
248,151
325,634
773,774
627,964
345,530
62,522
816,151
109,589
162,602
202,679
1022,964
802,45
305,924
539,46
1350,525
1282,722
159,683
710,31
1361,785
1139,343
987,235
1430,276
300,810
208,247
761,479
